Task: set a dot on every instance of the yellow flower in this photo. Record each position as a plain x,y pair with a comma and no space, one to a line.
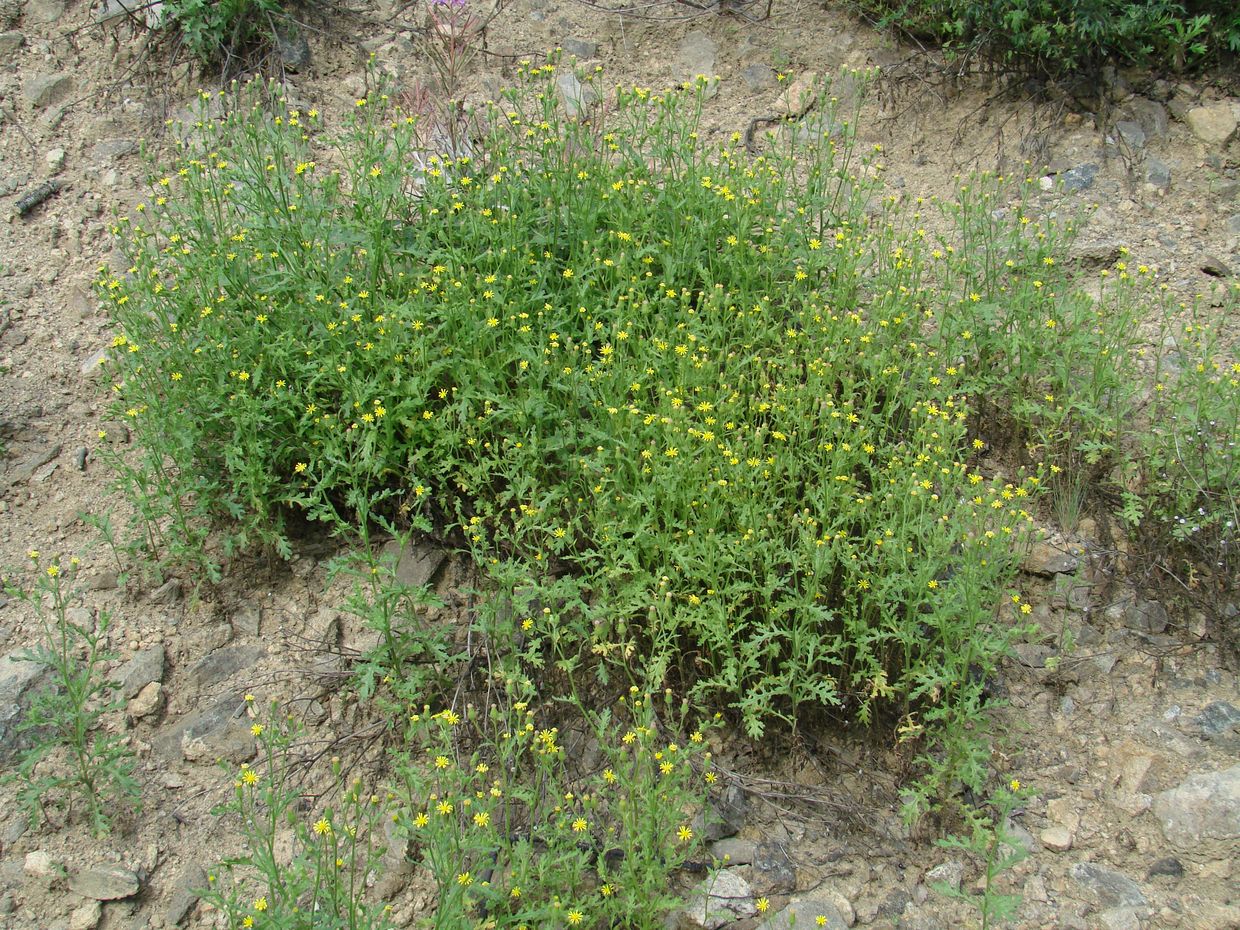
250,777
482,819
248,921
421,820
580,825
464,879
821,920
684,834
261,904
1015,784
322,827
763,905
575,917
257,729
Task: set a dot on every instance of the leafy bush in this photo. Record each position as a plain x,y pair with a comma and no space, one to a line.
1061,38
218,31
683,409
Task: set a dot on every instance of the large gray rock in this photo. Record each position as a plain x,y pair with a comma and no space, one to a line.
580,48
185,893
1214,123
1217,719
17,679
722,817
721,899
809,912
417,565
105,883
44,12
145,667
223,663
1203,807
212,724
1107,887
44,90
1045,558
696,56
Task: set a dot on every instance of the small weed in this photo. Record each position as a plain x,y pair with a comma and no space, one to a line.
514,834
319,879
991,841
72,758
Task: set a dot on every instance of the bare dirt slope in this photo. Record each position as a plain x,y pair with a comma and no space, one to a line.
1130,741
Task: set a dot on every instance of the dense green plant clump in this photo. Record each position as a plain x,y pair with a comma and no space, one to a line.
217,31
1061,38
704,419
692,416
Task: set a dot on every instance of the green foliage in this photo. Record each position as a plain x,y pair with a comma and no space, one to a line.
317,880
1061,38
413,658
1185,469
511,829
692,417
217,31
71,757
990,840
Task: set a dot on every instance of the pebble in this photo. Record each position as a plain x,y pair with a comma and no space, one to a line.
580,48
55,159
39,864
10,42
1108,887
1214,123
1056,839
105,883
86,916
45,90
147,701
950,873
1168,866
1216,719
140,671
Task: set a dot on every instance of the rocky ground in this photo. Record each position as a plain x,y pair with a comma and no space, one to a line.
1129,740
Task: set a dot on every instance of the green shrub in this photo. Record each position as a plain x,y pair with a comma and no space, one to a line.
219,32
1061,38
685,404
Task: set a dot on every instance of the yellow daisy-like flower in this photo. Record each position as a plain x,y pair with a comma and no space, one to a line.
322,827
257,729
261,904
1015,784
763,905
684,834
580,825
575,917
